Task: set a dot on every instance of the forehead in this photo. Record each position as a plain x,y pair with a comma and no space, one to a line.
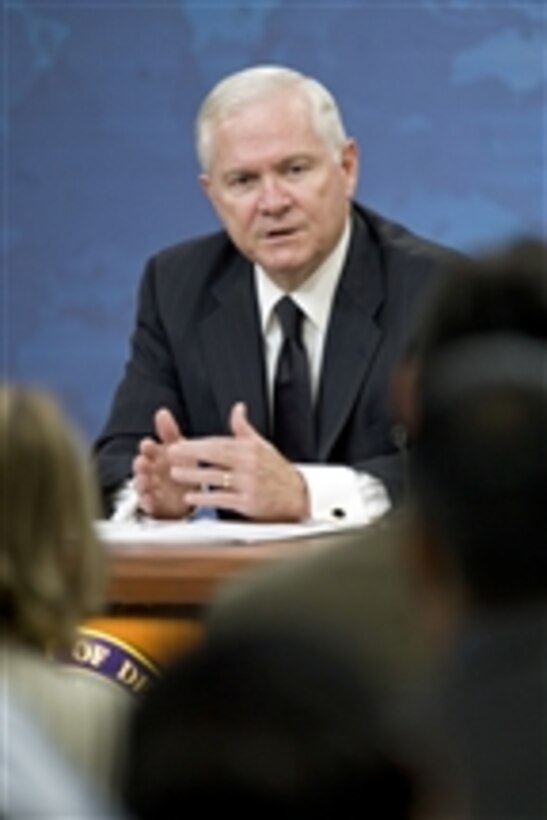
266,130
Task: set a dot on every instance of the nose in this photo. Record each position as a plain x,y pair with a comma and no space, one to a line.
273,198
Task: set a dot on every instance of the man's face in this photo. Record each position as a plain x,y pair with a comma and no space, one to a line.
278,188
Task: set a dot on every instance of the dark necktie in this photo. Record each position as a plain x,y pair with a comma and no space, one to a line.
294,433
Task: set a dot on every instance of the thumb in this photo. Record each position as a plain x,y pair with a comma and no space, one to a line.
239,423
167,428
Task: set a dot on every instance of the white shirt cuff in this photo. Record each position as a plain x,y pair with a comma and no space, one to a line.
126,503
340,493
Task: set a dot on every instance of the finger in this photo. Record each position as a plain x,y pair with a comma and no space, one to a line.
148,447
142,485
220,500
141,465
166,427
146,503
218,450
204,477
239,422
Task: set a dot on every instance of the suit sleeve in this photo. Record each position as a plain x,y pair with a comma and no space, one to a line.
149,382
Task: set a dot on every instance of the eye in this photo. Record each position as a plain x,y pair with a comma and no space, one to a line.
297,168
241,181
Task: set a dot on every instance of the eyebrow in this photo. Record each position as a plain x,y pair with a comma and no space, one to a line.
283,163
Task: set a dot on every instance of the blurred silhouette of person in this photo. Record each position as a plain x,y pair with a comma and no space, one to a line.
265,724
353,590
52,572
478,473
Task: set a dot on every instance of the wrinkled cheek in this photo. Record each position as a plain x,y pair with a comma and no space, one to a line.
237,225
243,221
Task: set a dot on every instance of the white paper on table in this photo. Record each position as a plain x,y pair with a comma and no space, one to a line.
211,531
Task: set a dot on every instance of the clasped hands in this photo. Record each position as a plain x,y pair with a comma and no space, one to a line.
241,472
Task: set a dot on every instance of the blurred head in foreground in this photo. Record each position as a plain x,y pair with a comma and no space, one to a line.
478,468
503,291
265,723
478,419
51,564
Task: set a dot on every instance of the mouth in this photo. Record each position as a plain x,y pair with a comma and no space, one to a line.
277,234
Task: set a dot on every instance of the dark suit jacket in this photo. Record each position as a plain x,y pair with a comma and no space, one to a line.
197,348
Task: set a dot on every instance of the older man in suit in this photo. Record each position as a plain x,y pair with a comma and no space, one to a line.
206,413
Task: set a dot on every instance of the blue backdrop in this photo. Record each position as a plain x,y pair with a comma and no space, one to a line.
447,101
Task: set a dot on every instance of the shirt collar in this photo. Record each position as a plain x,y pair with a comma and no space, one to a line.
314,296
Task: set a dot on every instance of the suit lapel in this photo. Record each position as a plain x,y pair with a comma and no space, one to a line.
352,338
231,342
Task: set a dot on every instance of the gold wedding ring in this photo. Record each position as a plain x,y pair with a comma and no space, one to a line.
226,480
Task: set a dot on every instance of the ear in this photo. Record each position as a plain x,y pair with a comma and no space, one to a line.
211,193
205,184
350,166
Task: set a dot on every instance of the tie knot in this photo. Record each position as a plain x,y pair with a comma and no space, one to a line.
290,317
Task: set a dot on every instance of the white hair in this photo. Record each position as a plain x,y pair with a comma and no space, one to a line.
244,87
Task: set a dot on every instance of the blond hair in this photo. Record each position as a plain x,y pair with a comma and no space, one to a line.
52,567
259,82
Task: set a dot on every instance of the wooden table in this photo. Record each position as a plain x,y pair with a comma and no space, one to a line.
186,576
